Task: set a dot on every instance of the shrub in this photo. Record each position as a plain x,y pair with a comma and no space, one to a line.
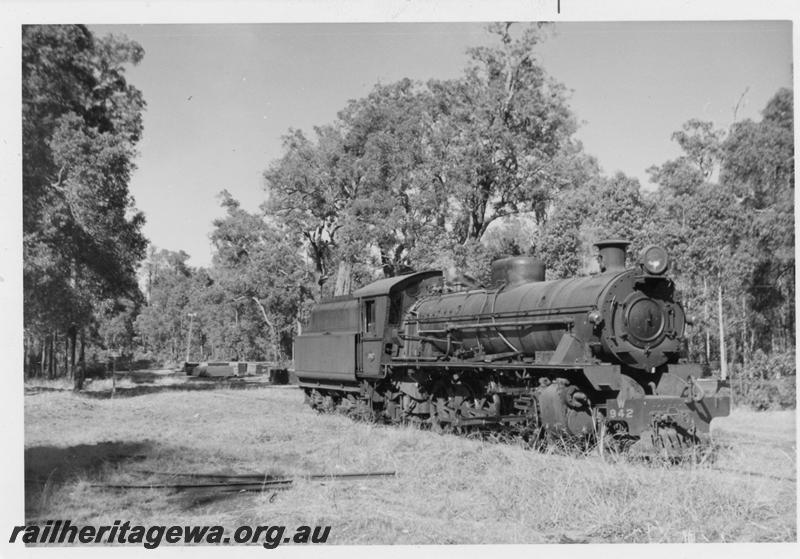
765,394
768,366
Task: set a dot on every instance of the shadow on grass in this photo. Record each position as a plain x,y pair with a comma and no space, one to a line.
127,391
144,389
147,376
33,390
49,466
190,385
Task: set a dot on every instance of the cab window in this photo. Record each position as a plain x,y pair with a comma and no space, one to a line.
395,308
369,316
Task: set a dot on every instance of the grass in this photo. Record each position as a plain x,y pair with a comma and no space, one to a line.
448,489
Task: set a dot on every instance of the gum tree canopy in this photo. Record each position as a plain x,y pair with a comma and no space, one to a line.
413,166
82,236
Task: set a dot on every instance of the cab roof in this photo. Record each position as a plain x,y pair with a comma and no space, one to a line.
389,285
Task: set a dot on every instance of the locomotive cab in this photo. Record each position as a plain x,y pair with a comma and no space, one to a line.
355,336
382,306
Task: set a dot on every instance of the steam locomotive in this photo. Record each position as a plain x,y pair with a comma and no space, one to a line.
584,357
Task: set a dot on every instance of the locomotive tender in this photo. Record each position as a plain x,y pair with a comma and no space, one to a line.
575,357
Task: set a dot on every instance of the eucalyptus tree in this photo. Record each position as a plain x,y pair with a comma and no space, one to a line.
758,169
725,210
174,290
82,236
412,171
507,126
263,284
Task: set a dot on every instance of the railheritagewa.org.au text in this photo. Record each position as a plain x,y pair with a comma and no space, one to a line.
63,532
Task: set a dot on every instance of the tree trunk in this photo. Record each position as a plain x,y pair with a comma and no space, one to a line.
40,368
149,282
45,357
743,333
723,365
66,356
25,357
80,373
83,354
113,376
441,208
273,333
30,342
51,366
72,334
189,337
56,353
344,279
58,367
43,362
707,320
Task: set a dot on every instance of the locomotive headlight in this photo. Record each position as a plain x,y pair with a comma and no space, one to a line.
654,259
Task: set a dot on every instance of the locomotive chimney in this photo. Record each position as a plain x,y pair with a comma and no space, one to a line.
612,254
514,270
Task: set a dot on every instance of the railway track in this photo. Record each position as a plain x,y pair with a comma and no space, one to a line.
238,483
227,483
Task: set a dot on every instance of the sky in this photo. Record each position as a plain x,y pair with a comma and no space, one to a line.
220,97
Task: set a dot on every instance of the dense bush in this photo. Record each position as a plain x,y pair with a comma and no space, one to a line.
769,394
763,366
765,381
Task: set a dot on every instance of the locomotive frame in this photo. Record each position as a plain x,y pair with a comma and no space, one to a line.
579,357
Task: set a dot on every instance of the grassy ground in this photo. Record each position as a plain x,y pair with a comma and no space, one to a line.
448,489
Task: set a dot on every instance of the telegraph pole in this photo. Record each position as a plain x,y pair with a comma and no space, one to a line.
191,316
723,361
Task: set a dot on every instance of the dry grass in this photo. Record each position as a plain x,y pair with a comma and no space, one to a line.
448,489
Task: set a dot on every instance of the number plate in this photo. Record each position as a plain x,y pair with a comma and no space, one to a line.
620,414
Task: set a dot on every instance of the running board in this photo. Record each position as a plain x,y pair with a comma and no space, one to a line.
329,386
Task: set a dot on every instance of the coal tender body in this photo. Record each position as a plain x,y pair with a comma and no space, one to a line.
572,358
